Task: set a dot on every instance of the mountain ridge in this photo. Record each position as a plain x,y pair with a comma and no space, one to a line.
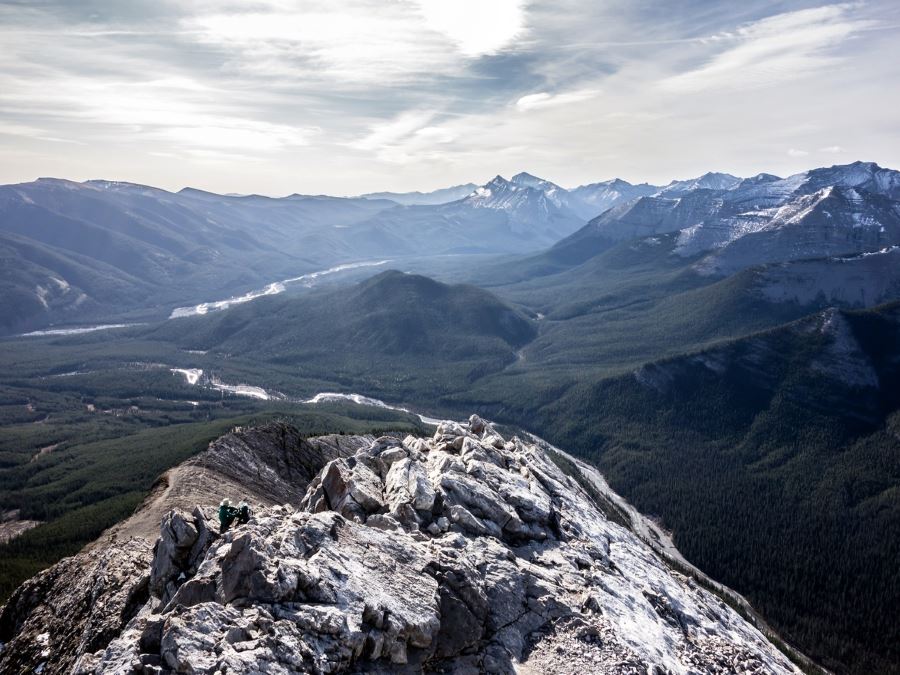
714,220
409,555
434,197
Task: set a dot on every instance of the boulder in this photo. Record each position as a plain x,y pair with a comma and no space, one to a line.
177,536
407,483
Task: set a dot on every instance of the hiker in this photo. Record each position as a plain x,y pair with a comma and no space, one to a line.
227,514
243,513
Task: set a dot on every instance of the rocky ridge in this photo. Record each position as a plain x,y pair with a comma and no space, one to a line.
463,552
82,602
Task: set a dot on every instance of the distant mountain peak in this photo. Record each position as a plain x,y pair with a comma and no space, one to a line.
440,196
497,181
497,185
197,191
118,184
763,178
524,176
870,165
530,180
864,175
711,180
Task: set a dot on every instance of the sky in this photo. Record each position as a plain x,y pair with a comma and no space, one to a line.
350,96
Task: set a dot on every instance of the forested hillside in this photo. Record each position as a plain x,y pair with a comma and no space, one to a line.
775,460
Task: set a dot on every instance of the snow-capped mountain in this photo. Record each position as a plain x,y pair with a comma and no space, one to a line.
708,181
526,179
526,195
598,197
832,221
866,176
586,201
530,203
497,217
841,210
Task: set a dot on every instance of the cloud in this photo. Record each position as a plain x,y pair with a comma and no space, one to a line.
773,50
545,100
383,135
360,95
475,26
794,152
178,111
358,41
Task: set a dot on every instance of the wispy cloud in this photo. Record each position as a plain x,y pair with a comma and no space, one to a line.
774,49
361,95
383,135
544,100
359,41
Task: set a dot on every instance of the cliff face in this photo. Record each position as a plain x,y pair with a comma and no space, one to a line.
463,553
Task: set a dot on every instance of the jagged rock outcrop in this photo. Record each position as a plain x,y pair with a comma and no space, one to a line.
81,603
75,607
464,552
269,464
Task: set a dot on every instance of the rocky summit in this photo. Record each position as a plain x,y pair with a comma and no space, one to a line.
465,552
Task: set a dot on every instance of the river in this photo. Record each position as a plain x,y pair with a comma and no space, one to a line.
274,288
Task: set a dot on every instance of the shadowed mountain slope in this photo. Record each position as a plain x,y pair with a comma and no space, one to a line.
784,443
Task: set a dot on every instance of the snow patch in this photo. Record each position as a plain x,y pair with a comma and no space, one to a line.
42,294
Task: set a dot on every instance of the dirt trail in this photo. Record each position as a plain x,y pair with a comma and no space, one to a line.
264,466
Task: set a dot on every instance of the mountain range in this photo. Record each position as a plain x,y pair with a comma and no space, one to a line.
724,349
83,251
739,223
79,251
442,196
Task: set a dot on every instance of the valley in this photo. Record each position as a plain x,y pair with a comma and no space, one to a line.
421,337
744,401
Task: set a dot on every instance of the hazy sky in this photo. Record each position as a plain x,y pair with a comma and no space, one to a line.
343,97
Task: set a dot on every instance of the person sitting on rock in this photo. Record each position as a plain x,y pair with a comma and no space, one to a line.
227,514
243,513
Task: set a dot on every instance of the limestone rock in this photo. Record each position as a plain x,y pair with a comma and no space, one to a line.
464,553
76,607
